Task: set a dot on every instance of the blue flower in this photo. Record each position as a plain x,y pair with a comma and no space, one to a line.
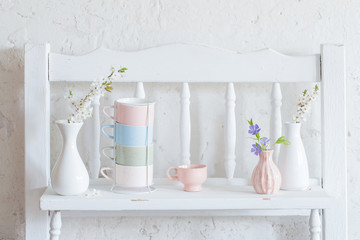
256,149
265,140
254,129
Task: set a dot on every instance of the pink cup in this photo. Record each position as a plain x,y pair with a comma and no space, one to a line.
132,111
192,176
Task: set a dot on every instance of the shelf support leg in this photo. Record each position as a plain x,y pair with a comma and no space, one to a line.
92,141
315,224
185,124
230,132
139,91
275,120
55,225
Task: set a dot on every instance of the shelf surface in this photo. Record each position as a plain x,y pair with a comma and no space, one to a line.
217,194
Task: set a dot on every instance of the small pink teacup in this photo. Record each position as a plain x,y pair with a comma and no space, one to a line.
132,111
192,176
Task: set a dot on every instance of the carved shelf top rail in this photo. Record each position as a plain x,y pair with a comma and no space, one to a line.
188,63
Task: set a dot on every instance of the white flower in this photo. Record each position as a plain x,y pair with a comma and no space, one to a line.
304,104
82,108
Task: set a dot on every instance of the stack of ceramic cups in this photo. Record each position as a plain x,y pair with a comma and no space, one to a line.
133,150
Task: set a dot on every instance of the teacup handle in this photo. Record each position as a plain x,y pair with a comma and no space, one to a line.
104,152
172,178
104,174
107,107
105,133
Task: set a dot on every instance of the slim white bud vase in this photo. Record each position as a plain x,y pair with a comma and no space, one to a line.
69,175
293,163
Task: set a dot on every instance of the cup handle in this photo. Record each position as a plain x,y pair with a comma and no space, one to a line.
104,152
107,107
105,133
172,178
104,174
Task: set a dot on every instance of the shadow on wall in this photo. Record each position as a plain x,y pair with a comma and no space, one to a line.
12,197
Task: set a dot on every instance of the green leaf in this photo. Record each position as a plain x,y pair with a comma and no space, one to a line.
250,122
111,74
280,140
316,87
108,88
286,142
257,135
122,70
70,92
262,146
305,91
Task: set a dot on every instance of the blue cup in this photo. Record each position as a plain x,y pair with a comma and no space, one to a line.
130,135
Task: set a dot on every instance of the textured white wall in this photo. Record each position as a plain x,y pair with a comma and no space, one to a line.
76,27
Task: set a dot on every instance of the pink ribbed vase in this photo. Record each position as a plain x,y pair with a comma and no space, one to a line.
266,177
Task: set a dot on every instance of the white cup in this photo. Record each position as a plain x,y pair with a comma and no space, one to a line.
131,176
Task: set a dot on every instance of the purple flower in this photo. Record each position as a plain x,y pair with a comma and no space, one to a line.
265,140
256,149
254,129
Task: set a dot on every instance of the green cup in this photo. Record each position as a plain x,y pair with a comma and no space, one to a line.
130,155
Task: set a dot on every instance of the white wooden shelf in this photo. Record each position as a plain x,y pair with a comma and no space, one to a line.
217,194
325,205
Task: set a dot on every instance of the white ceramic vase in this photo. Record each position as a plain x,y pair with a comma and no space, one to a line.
69,175
293,163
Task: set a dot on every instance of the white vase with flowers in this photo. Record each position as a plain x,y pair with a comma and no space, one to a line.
293,163
69,175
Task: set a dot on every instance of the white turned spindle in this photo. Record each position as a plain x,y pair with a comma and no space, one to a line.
275,120
94,138
315,225
185,125
139,91
55,226
230,132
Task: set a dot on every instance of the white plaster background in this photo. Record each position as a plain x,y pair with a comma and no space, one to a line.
77,27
